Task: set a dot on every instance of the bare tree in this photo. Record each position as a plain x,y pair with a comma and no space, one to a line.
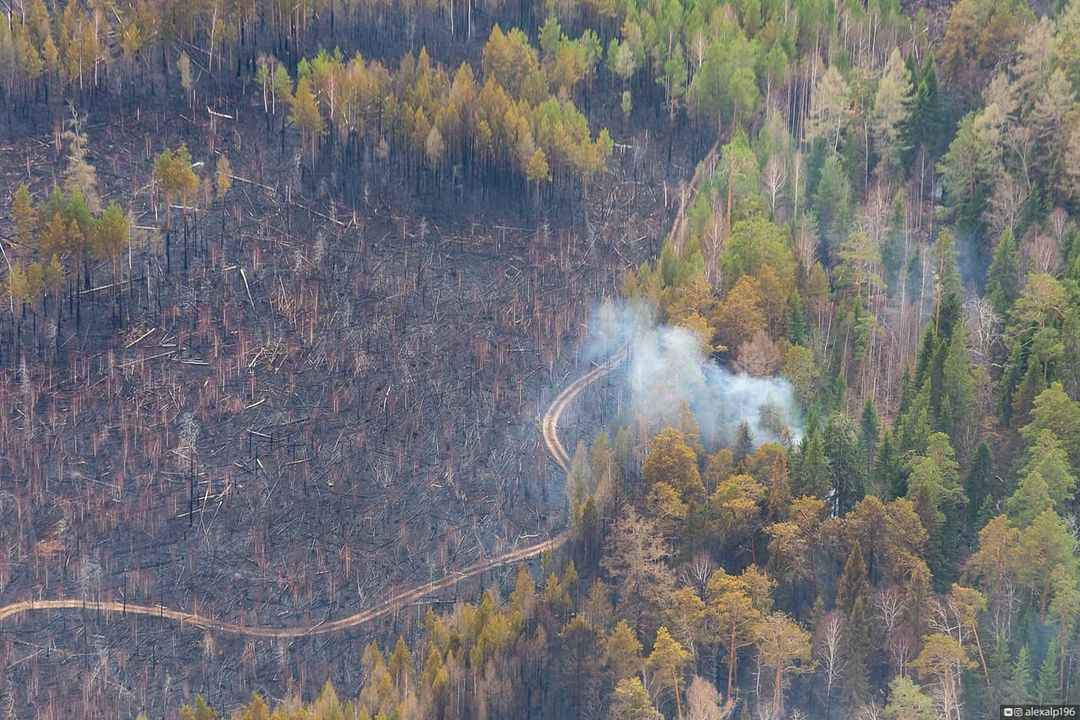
1005,607
1042,253
774,177
704,701
636,558
889,607
758,356
713,239
876,214
806,247
89,578
984,326
944,620
1006,202
900,648
829,654
1059,218
697,573
870,711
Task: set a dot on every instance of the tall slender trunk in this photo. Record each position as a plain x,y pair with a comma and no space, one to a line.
675,685
778,692
731,663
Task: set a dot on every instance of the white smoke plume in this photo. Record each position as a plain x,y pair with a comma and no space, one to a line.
669,369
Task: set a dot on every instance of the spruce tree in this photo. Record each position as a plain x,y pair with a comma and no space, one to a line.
832,206
853,582
987,511
810,469
744,442
890,477
1047,690
1003,277
857,679
998,669
959,383
978,483
1018,687
924,124
847,470
869,435
892,248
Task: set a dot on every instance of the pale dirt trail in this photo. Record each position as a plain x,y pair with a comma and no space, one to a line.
549,427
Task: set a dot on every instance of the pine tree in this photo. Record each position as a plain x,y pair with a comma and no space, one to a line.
306,115
934,487
23,217
1018,687
200,711
672,460
666,664
173,171
1043,546
255,709
688,426
623,652
732,612
434,679
223,177
1064,615
907,701
740,316
630,701
111,233
401,666
1054,410
784,648
54,236
947,287
79,174
943,660
779,498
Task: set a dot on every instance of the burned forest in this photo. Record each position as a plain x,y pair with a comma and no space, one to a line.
289,392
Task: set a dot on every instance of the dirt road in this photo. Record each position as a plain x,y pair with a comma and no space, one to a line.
549,427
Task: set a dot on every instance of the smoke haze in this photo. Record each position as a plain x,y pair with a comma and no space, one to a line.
669,368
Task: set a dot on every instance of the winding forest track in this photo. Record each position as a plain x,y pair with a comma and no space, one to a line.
550,434
549,428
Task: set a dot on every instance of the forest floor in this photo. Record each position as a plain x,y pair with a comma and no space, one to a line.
325,406
394,604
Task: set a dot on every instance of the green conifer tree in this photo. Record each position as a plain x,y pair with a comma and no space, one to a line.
1003,277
